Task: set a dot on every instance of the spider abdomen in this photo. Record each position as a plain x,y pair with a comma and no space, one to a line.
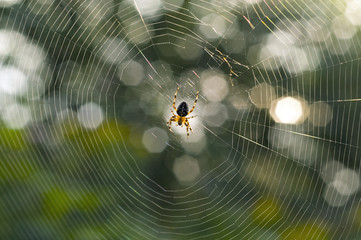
180,121
182,113
182,109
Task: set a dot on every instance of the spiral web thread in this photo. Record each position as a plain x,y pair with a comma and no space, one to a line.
94,157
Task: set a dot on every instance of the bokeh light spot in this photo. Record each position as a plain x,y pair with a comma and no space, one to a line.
342,28
8,3
333,197
29,57
320,114
155,140
346,181
186,169
262,95
90,115
352,11
297,60
329,170
215,26
288,110
112,50
214,87
92,12
12,80
131,73
16,116
214,114
147,7
6,45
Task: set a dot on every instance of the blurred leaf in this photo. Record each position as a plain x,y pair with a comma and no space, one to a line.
309,231
13,139
267,212
57,203
15,168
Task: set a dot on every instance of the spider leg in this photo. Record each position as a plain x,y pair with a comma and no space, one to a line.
175,96
169,123
194,105
188,125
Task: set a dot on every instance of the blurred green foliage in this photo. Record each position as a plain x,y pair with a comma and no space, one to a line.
61,180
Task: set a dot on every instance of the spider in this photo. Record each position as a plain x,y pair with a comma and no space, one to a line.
182,112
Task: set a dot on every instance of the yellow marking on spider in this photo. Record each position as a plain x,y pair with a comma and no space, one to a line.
181,114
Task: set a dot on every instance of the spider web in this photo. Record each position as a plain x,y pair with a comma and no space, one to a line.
87,88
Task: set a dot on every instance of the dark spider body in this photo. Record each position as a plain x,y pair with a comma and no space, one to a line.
182,109
182,113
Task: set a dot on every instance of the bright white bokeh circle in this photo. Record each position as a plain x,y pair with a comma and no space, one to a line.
90,115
